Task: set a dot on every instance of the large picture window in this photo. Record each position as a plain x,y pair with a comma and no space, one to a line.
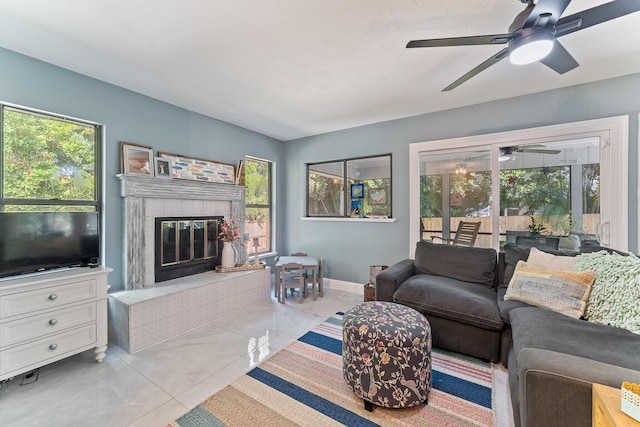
356,188
48,163
258,202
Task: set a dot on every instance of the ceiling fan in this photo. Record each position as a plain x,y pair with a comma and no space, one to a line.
508,153
533,33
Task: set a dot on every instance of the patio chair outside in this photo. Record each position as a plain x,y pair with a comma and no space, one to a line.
466,234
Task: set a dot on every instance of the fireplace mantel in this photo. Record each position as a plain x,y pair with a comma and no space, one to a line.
147,198
145,186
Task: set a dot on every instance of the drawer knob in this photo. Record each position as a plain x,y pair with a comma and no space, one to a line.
53,297
53,346
53,322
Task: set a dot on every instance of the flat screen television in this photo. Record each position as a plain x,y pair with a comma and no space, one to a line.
39,241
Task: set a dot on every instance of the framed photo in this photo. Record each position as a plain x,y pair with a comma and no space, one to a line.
162,167
357,209
136,159
357,191
195,169
378,196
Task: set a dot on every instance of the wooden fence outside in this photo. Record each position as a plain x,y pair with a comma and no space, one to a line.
590,224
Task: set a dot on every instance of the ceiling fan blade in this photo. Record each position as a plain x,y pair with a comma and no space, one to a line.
462,41
596,15
559,60
546,13
539,151
477,70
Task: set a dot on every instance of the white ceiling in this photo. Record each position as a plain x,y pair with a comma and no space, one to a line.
292,68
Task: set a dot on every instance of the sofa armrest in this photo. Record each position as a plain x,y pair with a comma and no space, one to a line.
387,281
555,388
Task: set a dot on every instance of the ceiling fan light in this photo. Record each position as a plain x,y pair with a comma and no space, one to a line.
529,49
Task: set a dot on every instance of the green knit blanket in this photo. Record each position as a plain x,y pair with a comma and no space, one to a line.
615,295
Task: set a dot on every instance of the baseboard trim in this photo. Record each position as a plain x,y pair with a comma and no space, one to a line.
341,285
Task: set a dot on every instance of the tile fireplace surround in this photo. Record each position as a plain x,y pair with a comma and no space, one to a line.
146,198
146,313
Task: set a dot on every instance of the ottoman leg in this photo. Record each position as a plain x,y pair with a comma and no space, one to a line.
368,406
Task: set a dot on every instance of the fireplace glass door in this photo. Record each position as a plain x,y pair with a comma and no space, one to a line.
188,240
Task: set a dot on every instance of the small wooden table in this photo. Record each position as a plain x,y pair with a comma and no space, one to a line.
606,408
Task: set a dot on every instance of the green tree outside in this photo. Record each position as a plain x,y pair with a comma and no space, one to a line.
47,159
544,191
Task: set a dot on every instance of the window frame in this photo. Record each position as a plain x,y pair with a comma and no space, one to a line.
269,206
98,147
345,190
614,148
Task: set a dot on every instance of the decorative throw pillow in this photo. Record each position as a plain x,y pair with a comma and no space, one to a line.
563,291
615,296
540,259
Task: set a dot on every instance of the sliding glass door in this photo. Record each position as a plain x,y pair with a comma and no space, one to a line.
551,190
566,182
454,187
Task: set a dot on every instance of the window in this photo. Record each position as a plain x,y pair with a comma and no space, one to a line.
555,179
356,188
48,162
258,202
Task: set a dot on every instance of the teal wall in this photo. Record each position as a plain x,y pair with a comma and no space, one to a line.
131,117
349,248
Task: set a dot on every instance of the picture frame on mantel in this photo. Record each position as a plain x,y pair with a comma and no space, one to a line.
201,170
162,168
136,159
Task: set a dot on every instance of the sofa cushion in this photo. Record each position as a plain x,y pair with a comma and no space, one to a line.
505,306
540,328
565,292
538,258
451,299
587,248
512,254
474,265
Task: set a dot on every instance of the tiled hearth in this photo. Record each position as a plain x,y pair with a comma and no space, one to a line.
145,317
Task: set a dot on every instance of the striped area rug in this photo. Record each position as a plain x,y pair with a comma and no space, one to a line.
303,385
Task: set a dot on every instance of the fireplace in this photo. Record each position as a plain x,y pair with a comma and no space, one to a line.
146,199
186,246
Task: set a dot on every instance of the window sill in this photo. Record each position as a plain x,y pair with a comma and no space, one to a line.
262,255
339,219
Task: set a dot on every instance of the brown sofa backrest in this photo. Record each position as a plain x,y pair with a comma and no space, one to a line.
475,265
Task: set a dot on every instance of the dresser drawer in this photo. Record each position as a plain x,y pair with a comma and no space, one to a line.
39,299
39,351
44,324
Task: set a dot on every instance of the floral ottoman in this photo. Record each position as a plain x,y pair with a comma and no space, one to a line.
386,354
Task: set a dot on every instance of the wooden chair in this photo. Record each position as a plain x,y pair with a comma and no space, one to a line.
465,234
304,272
319,279
276,269
290,276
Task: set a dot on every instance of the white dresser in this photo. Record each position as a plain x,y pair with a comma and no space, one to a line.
49,316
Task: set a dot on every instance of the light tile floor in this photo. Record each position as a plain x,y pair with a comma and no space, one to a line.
158,384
